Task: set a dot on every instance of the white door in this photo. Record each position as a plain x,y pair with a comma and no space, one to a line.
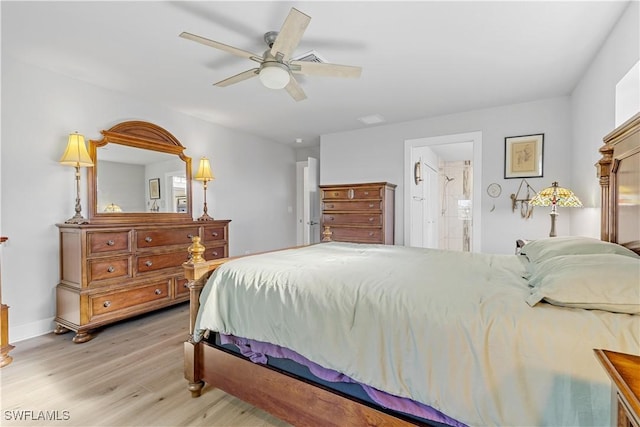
311,202
308,201
424,206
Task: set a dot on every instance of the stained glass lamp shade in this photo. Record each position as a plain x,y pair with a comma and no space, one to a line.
555,196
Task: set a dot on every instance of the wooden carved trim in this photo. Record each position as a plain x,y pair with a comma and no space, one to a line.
142,134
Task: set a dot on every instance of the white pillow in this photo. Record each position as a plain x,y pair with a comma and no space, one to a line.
608,282
543,249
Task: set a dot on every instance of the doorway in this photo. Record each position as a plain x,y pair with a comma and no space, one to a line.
442,192
307,202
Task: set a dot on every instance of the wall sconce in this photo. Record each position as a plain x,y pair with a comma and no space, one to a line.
76,155
205,175
555,196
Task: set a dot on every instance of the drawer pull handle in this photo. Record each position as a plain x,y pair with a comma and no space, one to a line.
366,193
370,219
370,205
190,236
148,263
329,206
214,234
336,194
185,284
110,243
331,218
107,304
148,239
371,234
214,253
158,292
111,269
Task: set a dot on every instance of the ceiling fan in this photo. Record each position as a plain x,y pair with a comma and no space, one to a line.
277,67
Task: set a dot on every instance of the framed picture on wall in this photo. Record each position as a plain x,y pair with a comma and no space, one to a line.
523,156
154,188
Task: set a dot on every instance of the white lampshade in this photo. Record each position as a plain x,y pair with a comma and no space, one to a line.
274,75
76,153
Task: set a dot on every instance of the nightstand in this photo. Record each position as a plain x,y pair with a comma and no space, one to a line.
624,371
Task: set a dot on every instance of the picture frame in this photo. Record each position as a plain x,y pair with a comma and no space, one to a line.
154,188
523,156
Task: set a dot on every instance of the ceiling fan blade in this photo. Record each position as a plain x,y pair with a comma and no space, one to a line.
295,90
238,77
290,34
230,49
325,69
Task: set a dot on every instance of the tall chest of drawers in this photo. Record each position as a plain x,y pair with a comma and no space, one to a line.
361,213
112,272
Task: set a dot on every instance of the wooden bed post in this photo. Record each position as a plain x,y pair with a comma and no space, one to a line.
197,270
193,271
604,170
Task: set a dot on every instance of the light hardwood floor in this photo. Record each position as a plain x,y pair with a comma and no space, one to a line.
130,374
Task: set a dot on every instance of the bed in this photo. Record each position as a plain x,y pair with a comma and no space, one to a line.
356,334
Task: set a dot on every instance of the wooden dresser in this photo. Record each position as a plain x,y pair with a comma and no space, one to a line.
624,371
112,272
361,213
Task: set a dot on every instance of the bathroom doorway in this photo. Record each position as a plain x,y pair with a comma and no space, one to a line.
442,192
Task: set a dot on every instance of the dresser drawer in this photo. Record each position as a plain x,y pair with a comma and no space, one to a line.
337,193
181,288
118,300
361,235
349,219
212,234
153,238
107,241
155,262
352,205
367,193
215,253
108,268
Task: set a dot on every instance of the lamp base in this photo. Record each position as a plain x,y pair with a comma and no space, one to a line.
553,215
77,219
205,217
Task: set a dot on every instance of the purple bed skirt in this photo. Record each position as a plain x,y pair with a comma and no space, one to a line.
257,352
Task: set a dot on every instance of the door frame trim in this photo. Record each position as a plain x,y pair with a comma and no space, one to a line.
476,139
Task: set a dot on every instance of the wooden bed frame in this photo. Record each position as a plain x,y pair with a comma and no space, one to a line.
305,404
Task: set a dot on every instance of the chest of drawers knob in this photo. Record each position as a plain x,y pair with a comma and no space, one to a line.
148,263
107,304
148,239
158,292
110,243
111,269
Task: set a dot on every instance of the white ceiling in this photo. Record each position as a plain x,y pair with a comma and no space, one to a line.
419,58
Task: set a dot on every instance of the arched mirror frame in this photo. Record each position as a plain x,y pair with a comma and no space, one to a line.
145,136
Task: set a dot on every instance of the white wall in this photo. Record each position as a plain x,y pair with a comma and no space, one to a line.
254,186
376,154
593,113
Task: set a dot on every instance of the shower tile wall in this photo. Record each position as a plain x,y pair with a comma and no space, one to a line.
456,185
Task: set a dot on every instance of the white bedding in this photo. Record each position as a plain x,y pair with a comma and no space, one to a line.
449,329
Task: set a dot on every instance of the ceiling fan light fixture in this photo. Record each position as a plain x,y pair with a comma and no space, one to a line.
274,75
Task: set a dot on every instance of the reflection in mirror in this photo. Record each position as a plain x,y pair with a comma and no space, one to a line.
131,180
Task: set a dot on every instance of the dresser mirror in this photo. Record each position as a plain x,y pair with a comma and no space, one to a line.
140,174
